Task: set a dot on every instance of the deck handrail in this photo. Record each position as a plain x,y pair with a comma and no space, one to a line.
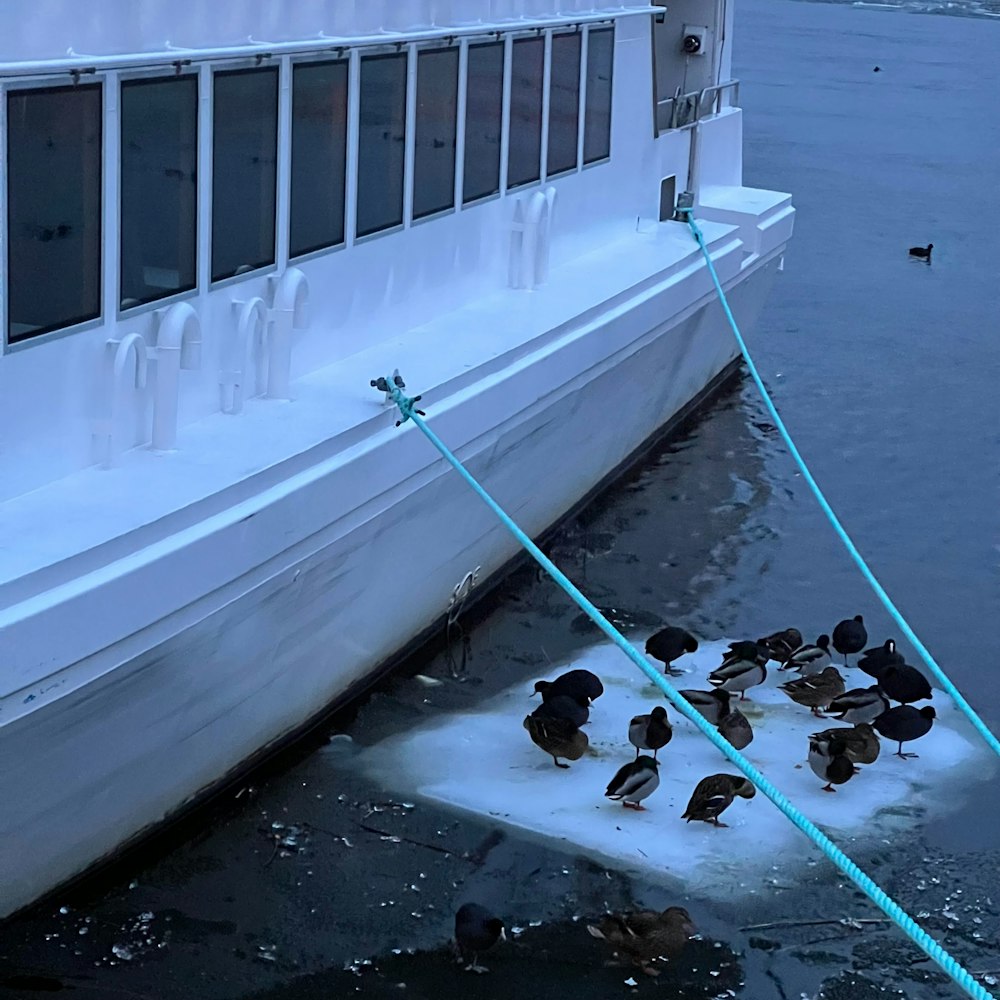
682,110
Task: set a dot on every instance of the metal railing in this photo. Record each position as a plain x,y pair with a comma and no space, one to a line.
686,109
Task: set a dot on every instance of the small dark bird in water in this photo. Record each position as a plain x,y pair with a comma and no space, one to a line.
829,761
714,794
650,732
476,931
670,643
645,936
877,69
904,683
905,723
736,728
850,636
562,707
873,661
634,782
557,737
711,704
580,685
924,253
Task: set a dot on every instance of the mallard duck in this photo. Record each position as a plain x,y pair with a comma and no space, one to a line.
557,737
650,732
735,727
904,683
817,691
561,706
781,645
861,742
634,781
873,661
714,794
580,685
811,658
829,761
670,643
904,723
859,705
711,704
646,936
850,636
476,931
738,675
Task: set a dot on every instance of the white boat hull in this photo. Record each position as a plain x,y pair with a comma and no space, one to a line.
149,724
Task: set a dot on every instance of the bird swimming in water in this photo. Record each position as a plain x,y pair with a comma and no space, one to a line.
650,732
829,761
924,253
557,737
736,728
476,931
850,636
873,661
711,704
859,705
645,936
810,658
669,644
903,724
904,683
580,685
714,794
634,782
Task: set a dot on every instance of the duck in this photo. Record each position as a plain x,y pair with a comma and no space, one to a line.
713,705
904,683
873,661
850,636
859,705
861,742
634,781
669,644
780,645
810,658
714,794
904,723
923,252
580,685
650,732
816,691
557,737
829,762
646,936
476,931
738,675
561,706
735,727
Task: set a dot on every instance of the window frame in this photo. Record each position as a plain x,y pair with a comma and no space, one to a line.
437,46
514,38
476,43
592,29
152,75
48,83
571,32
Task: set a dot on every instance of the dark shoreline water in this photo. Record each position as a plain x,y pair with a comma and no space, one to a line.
884,370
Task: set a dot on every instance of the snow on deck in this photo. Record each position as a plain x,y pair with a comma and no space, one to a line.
485,762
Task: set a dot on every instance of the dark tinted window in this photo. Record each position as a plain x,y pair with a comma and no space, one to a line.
381,142
483,121
564,102
524,159
597,121
53,208
434,141
319,155
244,160
159,188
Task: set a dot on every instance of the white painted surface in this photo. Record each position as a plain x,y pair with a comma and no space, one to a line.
485,763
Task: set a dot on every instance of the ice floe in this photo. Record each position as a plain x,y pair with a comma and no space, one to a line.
485,762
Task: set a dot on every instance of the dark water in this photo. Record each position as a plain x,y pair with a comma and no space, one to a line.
885,370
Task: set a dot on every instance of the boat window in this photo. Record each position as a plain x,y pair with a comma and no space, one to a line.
597,117
434,138
244,164
483,120
53,208
564,103
524,163
319,155
159,188
381,142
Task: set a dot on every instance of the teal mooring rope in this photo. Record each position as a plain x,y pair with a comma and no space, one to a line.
943,679
868,886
